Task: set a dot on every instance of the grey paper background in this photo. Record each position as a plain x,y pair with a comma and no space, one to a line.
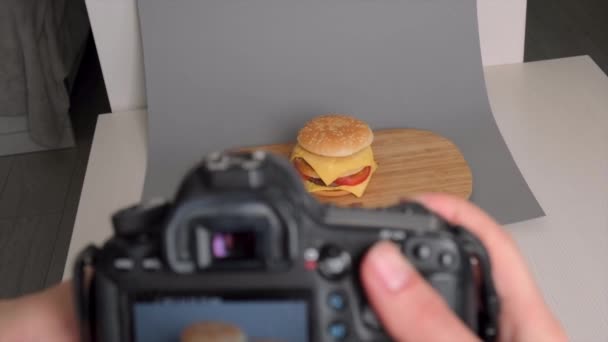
228,73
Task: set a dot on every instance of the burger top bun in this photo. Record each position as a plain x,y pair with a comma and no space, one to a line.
335,135
213,332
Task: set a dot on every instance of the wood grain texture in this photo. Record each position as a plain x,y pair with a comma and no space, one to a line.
409,161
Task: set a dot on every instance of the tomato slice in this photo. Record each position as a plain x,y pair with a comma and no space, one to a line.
356,178
309,174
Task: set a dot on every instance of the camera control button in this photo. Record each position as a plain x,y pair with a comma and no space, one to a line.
311,256
369,318
334,262
422,252
447,259
124,264
151,264
336,301
338,331
139,219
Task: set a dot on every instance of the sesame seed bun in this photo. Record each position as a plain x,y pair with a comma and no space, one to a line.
213,332
335,135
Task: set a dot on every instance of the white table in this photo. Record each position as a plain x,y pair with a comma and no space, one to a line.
554,118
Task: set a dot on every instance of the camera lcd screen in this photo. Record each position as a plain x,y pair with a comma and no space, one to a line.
276,320
233,245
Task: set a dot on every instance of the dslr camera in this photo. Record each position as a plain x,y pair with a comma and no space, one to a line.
243,242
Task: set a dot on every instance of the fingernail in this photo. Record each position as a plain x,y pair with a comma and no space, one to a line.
390,266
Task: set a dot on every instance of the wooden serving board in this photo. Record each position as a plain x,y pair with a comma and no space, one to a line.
409,161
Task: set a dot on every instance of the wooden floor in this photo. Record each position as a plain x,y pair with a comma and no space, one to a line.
39,192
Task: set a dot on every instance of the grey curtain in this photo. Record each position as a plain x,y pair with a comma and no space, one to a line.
40,43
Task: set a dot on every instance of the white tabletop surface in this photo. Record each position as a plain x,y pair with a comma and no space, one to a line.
554,118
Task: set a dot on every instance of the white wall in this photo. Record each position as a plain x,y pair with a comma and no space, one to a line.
116,30
502,30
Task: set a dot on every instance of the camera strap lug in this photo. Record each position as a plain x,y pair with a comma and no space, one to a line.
489,316
81,290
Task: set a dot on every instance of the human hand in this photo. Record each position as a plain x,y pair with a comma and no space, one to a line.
411,310
408,307
44,316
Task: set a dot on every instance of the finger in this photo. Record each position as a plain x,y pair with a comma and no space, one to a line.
42,316
408,307
53,311
513,281
519,294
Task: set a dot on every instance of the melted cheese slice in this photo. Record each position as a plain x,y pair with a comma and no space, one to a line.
356,190
331,168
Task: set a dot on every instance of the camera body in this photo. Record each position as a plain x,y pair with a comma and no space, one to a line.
244,242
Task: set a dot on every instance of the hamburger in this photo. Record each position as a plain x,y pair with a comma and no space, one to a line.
333,155
212,332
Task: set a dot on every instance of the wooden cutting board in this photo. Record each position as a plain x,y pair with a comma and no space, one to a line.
409,161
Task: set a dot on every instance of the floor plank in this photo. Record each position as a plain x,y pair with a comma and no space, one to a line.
6,162
26,246
38,183
8,265
43,230
64,235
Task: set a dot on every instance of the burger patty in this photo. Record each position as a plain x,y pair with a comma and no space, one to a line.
318,181
351,178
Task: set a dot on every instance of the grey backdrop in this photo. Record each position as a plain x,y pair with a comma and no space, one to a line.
228,73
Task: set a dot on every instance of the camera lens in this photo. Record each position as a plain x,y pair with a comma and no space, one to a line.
233,245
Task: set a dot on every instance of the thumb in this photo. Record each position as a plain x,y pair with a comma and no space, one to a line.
408,307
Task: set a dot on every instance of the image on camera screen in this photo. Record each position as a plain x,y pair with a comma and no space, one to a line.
258,320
